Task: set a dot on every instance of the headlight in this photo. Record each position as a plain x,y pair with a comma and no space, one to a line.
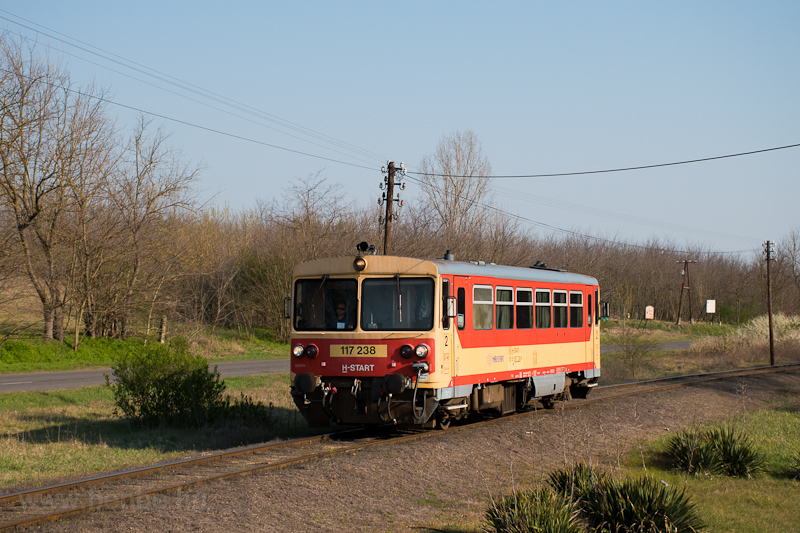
312,351
421,351
360,263
406,351
298,350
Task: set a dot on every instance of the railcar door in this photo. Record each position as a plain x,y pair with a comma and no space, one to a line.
461,290
593,323
447,328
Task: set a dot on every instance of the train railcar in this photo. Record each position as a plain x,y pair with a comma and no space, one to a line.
380,339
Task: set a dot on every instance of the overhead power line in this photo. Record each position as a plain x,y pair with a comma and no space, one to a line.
192,88
606,171
579,234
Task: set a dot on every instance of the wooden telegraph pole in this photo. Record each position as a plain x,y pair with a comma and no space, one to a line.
388,197
768,253
685,286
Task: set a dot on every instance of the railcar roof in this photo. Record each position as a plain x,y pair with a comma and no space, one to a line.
383,265
467,268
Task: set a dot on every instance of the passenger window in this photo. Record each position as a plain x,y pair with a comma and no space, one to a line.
524,308
560,309
482,307
576,309
542,308
504,308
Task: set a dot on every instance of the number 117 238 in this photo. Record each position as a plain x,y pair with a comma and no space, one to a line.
358,350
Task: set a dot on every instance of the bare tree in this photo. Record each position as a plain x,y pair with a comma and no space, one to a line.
45,127
455,185
153,185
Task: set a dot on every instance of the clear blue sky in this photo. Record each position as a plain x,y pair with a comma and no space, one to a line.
548,87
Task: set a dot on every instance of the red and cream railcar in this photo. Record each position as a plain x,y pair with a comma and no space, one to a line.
379,339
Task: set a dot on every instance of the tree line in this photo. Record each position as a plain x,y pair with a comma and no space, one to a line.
104,226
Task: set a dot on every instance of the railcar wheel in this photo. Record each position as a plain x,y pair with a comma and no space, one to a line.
444,422
547,402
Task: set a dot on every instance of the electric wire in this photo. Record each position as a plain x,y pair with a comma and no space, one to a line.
277,120
417,180
189,87
595,211
193,125
584,235
606,171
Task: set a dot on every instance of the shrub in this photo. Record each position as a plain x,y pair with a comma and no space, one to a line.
794,467
716,450
636,350
540,510
640,505
161,383
630,505
690,452
576,482
737,456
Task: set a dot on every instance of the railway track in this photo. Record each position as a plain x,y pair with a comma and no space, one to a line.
167,483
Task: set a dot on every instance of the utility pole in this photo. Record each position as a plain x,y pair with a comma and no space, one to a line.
685,285
768,250
388,197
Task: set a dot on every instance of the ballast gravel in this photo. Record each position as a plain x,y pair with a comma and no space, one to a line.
441,482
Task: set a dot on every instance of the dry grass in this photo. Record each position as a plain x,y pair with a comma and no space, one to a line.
49,436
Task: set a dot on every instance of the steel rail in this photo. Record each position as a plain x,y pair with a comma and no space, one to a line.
652,385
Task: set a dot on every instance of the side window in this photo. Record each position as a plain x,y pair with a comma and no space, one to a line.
560,309
504,307
576,309
462,307
482,307
589,308
524,308
445,296
542,308
597,306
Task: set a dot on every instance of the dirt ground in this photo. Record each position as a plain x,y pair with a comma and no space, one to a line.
437,483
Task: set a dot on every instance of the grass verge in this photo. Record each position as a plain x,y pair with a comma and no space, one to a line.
34,355
761,504
51,436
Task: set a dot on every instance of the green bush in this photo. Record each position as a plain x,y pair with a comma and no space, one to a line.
690,452
794,467
161,383
540,510
576,482
630,505
716,450
737,455
640,505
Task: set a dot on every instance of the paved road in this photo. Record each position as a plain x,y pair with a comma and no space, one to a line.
42,381
73,379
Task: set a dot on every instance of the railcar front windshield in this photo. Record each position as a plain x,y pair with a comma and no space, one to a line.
325,304
397,304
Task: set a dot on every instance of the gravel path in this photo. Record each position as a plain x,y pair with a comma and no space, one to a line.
438,482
